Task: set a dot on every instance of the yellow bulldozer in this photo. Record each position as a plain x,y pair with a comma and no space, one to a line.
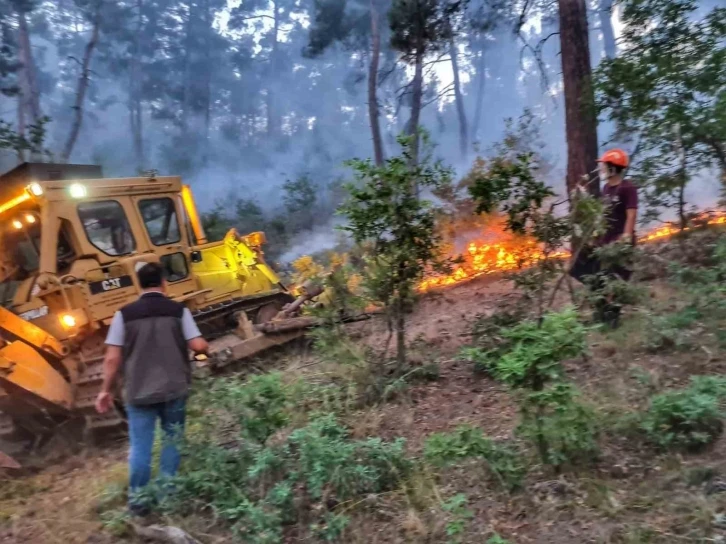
69,243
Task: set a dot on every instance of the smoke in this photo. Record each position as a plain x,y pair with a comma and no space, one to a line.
320,105
315,241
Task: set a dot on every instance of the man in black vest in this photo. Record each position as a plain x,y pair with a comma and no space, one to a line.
149,341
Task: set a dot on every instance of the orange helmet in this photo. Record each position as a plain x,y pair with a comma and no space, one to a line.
618,157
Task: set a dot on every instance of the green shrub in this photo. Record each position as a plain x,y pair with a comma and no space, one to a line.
496,539
671,332
257,489
458,517
563,430
260,406
688,418
488,338
531,353
326,459
331,527
529,358
465,442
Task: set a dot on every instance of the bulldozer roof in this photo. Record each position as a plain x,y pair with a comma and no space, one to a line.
71,181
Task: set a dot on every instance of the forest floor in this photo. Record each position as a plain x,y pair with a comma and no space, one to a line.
631,492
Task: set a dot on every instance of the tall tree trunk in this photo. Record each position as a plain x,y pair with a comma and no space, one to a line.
29,97
580,118
605,11
30,82
207,80
21,125
416,102
82,87
135,102
187,92
481,79
273,120
459,98
373,86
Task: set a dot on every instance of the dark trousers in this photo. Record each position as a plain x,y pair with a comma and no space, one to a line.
591,272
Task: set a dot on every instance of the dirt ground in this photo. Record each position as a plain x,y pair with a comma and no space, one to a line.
631,495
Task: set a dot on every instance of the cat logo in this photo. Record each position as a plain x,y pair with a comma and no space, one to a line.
113,283
110,284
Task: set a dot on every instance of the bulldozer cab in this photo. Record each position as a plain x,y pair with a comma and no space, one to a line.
69,245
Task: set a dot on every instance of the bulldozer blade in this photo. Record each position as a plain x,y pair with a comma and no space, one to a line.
231,348
8,462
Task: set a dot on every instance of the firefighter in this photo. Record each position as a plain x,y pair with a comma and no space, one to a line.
621,204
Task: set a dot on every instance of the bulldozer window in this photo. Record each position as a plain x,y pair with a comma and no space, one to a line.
20,257
175,267
107,227
159,216
65,252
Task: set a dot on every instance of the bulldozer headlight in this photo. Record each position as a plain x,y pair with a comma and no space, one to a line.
29,219
68,321
17,224
35,189
77,190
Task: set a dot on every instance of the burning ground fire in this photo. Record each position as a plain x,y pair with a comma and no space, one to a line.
481,258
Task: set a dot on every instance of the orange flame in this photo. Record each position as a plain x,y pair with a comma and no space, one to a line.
512,253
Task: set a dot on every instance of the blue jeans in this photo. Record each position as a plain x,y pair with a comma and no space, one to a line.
142,427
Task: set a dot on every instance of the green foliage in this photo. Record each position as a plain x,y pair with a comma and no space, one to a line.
608,285
22,143
705,285
331,528
703,289
530,353
261,405
329,461
512,186
458,515
116,523
488,334
465,442
421,27
528,358
666,89
687,418
258,489
671,331
563,429
385,213
496,539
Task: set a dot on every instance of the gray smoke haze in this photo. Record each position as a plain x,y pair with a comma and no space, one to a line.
320,103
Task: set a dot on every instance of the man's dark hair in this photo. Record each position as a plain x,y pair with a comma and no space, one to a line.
151,276
617,169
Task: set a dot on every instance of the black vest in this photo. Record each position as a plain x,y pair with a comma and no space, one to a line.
156,366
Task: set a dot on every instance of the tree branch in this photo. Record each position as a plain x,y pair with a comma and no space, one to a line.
446,89
237,20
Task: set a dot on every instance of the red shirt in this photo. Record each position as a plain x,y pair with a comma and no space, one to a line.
618,199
